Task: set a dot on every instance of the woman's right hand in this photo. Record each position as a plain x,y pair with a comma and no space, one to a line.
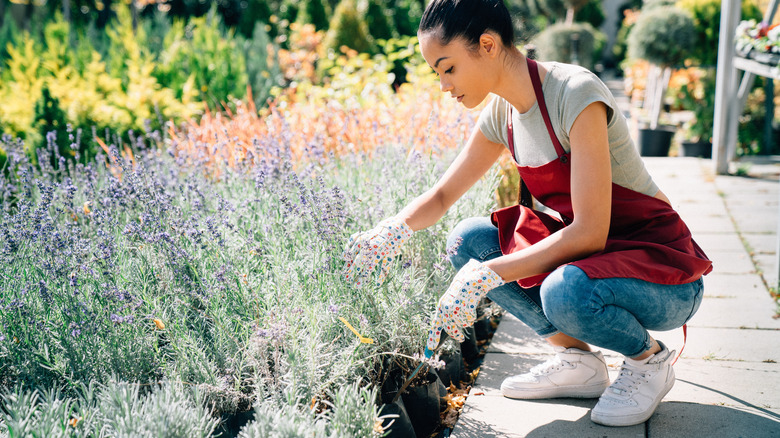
373,250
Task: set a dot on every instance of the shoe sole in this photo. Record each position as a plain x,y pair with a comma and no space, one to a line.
583,391
631,420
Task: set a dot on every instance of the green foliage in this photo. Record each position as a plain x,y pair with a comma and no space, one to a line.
698,96
9,34
199,51
406,16
662,35
706,19
50,119
592,12
348,28
119,410
314,12
262,69
83,91
378,19
555,44
254,12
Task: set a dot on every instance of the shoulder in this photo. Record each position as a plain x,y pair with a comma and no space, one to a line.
576,79
575,88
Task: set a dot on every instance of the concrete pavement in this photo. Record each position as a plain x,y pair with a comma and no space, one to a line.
728,378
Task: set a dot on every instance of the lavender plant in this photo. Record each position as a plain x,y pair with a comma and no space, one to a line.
147,268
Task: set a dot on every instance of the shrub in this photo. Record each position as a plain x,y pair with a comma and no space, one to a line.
378,19
348,29
314,12
555,44
662,35
406,16
706,20
198,51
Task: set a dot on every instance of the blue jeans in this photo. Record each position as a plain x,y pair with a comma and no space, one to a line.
610,313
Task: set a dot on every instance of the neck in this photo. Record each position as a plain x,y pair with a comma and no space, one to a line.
514,83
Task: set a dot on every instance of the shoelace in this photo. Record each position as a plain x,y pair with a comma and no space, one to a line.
629,378
549,366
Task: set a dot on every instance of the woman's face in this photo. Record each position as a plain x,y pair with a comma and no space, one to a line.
462,72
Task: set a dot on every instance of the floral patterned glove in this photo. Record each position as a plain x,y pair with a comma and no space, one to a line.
458,306
373,250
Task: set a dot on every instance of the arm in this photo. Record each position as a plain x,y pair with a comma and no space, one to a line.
472,163
591,192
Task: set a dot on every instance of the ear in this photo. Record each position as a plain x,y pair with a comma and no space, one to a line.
488,44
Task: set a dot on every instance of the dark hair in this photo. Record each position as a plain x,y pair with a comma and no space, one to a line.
467,19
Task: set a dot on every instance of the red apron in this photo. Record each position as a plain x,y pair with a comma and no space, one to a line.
647,239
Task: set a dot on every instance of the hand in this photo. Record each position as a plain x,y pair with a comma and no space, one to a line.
373,250
458,306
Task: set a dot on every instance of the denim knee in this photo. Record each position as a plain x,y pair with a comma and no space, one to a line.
473,238
566,300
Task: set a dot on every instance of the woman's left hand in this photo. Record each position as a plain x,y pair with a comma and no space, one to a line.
457,308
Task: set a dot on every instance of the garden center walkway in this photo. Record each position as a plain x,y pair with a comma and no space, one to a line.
728,378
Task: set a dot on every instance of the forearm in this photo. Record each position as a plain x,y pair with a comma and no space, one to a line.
424,211
567,245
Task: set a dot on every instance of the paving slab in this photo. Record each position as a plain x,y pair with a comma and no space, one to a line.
731,262
725,344
675,420
717,241
761,243
744,385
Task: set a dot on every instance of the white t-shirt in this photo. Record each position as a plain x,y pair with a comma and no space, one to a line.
567,89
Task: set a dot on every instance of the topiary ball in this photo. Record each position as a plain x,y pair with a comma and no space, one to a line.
663,36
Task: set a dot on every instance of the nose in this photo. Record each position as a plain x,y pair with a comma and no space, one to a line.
445,85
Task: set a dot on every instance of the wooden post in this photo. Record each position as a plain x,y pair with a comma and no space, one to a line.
725,87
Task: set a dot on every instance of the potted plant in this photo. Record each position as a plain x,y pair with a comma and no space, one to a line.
662,36
697,95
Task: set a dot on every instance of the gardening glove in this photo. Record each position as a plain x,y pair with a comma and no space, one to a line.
457,308
373,250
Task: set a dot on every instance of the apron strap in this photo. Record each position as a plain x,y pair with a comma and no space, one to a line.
533,70
524,198
685,339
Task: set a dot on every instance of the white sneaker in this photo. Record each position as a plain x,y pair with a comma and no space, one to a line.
639,388
571,373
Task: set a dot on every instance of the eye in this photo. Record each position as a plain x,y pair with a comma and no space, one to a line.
449,70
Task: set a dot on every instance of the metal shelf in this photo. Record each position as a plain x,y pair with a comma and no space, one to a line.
758,68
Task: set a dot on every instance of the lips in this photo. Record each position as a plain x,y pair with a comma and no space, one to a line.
460,98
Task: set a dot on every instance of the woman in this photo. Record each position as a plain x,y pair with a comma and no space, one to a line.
620,263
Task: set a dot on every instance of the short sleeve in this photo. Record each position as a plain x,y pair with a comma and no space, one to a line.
581,90
492,121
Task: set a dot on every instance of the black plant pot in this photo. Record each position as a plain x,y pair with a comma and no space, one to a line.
454,370
424,402
392,383
401,426
696,149
233,423
482,329
655,142
468,348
